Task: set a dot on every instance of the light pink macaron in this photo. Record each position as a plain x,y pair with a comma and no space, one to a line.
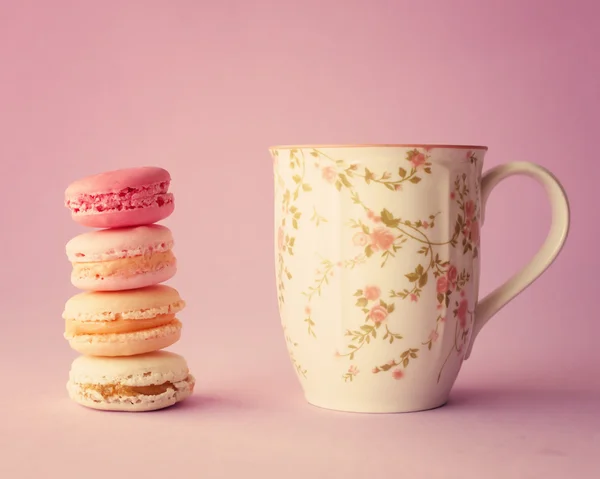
127,197
122,258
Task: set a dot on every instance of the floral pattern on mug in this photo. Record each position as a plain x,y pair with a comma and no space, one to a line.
465,318
467,222
291,346
323,275
376,312
396,366
350,374
341,175
379,233
286,239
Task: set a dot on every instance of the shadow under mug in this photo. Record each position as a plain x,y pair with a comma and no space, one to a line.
377,252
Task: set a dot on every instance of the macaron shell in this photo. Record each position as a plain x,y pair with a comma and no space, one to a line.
132,304
113,244
116,180
127,344
139,403
143,370
122,283
120,219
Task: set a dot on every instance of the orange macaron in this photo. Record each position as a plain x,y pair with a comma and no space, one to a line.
123,323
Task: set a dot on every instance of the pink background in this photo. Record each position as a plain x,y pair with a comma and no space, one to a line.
203,88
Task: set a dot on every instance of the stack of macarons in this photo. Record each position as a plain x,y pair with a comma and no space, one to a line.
124,317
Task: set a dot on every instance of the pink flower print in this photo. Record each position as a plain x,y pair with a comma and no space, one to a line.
339,264
414,298
360,239
439,306
329,174
417,159
442,284
391,362
382,239
425,224
280,238
470,209
337,354
373,217
375,370
475,232
378,313
452,274
469,154
433,336
452,195
398,187
461,313
307,310
353,370
467,229
462,293
397,374
372,293
386,175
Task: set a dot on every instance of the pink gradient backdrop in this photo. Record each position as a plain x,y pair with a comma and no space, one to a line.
203,88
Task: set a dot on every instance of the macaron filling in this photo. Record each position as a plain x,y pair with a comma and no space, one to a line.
74,327
71,312
82,253
127,267
127,344
111,390
130,198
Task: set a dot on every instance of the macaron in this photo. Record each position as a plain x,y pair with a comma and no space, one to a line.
136,383
123,323
118,198
122,258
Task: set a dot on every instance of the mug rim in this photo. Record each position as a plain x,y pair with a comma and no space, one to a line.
383,145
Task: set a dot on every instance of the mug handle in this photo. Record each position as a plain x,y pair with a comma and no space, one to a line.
498,298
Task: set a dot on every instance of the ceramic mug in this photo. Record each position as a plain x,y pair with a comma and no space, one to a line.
377,252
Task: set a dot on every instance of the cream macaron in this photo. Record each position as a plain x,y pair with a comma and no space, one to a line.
136,383
123,323
122,258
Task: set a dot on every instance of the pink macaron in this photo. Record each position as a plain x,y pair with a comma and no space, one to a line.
122,258
119,198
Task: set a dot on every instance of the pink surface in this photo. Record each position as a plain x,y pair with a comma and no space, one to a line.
203,89
119,198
